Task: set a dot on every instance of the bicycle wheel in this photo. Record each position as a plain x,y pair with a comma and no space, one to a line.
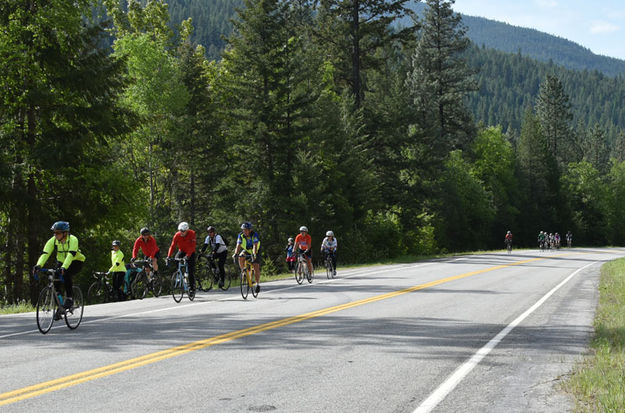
308,274
177,289
139,287
329,269
97,293
205,280
299,277
73,316
156,285
46,309
227,281
245,288
253,286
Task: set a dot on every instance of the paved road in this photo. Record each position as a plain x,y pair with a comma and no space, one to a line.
480,333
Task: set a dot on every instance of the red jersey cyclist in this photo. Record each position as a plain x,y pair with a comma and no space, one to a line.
303,245
185,241
147,244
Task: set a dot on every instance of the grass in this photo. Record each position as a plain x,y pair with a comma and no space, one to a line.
598,382
21,307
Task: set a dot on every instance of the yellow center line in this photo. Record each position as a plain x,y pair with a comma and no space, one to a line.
71,380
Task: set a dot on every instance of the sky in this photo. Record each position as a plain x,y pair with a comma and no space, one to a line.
598,25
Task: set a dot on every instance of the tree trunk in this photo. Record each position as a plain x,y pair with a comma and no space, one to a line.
356,86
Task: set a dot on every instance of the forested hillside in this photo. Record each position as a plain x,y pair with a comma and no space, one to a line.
535,44
318,114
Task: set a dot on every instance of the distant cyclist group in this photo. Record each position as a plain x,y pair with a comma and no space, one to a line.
552,240
546,240
70,260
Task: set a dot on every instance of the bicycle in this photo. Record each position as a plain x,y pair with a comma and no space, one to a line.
180,281
207,275
145,280
100,291
301,269
248,278
330,270
50,305
508,243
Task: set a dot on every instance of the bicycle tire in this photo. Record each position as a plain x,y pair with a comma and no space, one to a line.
96,293
205,278
46,309
299,277
73,316
227,281
329,269
245,288
254,284
139,287
156,285
177,289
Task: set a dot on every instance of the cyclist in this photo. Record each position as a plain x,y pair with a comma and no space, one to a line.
118,269
328,247
508,239
68,256
219,251
542,240
147,244
303,245
290,255
569,239
248,242
184,239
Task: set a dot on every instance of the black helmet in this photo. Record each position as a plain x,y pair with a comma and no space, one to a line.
210,228
60,226
246,225
116,243
145,231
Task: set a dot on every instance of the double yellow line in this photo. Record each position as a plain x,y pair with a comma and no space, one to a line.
74,379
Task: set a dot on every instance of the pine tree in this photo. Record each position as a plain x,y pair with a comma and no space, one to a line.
554,114
440,81
58,91
352,31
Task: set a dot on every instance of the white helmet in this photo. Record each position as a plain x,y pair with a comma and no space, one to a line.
183,226
329,234
303,228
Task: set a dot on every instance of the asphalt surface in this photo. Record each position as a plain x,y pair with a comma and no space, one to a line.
479,333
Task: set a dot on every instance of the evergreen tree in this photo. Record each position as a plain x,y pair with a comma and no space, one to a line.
440,81
554,114
539,179
58,91
270,76
352,31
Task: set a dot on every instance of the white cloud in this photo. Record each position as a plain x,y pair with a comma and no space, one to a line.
598,27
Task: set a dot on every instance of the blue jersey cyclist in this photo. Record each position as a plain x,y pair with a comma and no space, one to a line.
68,256
248,242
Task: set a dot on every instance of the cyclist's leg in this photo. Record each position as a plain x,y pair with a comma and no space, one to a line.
155,261
308,256
73,269
333,256
118,283
221,263
191,263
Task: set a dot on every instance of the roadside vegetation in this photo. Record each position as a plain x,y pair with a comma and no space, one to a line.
597,383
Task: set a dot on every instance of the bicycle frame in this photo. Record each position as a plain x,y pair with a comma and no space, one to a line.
180,280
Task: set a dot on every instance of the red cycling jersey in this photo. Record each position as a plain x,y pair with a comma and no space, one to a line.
185,244
148,248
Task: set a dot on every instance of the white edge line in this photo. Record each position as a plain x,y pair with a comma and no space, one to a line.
461,372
